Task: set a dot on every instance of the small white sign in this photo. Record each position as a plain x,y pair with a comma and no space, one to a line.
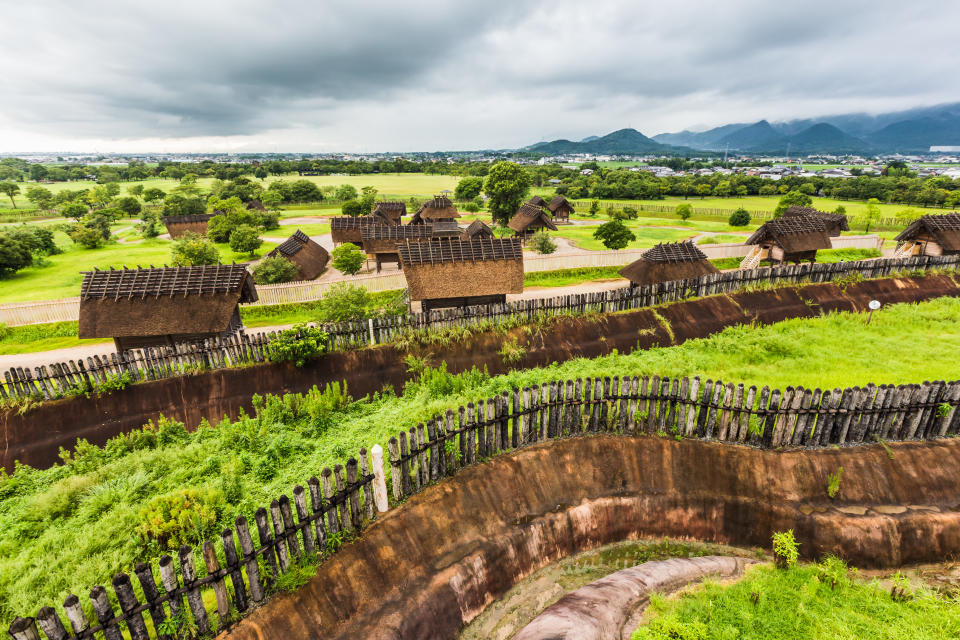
874,305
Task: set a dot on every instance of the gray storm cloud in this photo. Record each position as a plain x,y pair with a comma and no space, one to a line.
450,75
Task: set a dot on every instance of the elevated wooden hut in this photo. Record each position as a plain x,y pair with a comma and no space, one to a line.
476,230
560,208
834,222
529,219
309,257
178,225
349,229
163,306
437,208
538,201
789,239
391,211
380,241
454,273
931,235
666,262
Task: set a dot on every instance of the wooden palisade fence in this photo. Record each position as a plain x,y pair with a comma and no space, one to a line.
629,406
60,379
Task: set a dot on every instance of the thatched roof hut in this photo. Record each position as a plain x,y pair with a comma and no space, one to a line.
255,205
560,208
178,225
834,222
538,201
162,306
666,262
477,229
529,219
791,239
391,211
348,229
380,241
309,257
453,273
931,235
437,208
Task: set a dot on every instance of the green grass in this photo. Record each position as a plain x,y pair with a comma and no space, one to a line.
582,236
809,602
41,337
96,500
569,277
311,229
722,238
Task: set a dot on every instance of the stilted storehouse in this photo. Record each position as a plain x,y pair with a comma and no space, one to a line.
538,201
380,241
178,225
390,211
834,222
164,306
477,229
931,235
438,208
529,219
309,257
784,239
666,262
453,273
349,229
560,208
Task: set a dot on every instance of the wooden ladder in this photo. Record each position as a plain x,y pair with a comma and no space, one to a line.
752,260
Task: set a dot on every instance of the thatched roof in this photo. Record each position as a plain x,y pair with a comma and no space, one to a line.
560,205
196,217
255,205
348,229
834,222
446,229
530,217
447,268
944,227
390,210
666,262
383,239
309,257
437,208
537,200
477,229
162,301
793,234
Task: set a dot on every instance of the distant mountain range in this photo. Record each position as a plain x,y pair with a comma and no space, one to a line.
912,131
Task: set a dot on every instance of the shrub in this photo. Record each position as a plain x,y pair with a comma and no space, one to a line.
833,483
14,255
471,207
86,237
245,238
343,302
192,249
184,516
274,269
785,549
614,234
298,344
352,208
684,211
594,208
542,243
348,258
149,224
739,218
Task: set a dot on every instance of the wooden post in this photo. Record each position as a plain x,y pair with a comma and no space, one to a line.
194,597
101,606
51,624
396,478
219,588
251,566
353,497
333,522
77,618
346,521
266,541
232,562
279,536
303,519
379,479
367,488
168,578
24,629
148,584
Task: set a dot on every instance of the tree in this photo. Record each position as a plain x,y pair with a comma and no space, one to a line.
260,173
739,218
245,238
192,249
808,188
468,188
75,210
792,199
614,234
177,204
684,210
271,200
594,208
274,269
136,190
542,243
149,224
506,185
348,258
41,197
703,190
10,189
38,172
86,237
352,208
153,194
367,200
14,255
870,213
129,205
344,302
38,240
345,192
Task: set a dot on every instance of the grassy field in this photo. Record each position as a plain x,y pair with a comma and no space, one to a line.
582,236
825,601
96,500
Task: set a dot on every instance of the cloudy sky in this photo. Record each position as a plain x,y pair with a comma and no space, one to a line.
371,75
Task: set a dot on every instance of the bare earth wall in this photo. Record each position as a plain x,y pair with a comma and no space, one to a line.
34,438
425,569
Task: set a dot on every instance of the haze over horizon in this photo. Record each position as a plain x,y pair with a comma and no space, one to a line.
377,76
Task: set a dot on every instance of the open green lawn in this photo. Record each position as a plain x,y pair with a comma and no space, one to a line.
722,238
824,601
311,229
582,236
95,501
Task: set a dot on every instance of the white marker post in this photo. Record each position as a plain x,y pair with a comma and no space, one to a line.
874,305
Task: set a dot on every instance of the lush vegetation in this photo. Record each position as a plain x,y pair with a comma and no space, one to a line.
822,601
100,495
